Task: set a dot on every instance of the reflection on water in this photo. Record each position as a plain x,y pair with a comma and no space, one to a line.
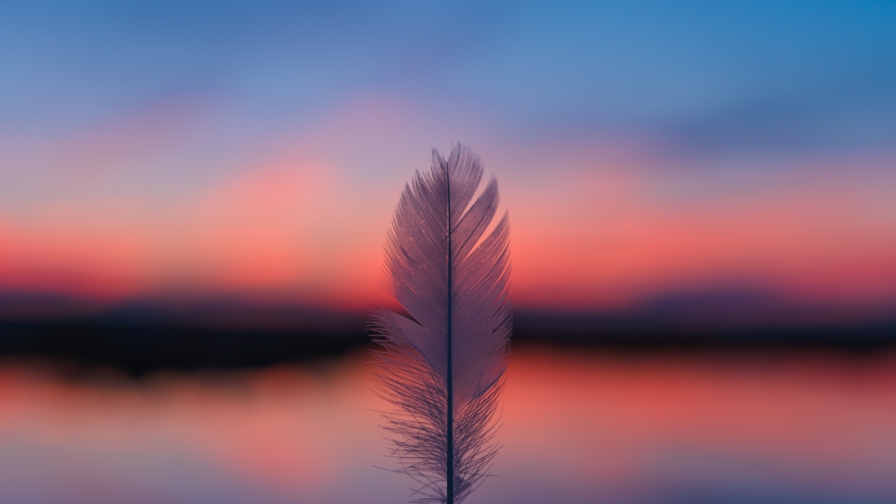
579,427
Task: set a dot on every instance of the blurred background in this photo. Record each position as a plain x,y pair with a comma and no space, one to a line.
194,198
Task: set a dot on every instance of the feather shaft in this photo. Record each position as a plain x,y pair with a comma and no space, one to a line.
449,381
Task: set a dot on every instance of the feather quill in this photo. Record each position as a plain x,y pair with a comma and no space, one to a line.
443,369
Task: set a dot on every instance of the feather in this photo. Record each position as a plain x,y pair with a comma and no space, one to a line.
443,369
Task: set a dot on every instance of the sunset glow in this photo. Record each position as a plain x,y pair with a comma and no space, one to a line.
588,233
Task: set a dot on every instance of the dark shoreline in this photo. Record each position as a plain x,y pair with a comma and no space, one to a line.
141,345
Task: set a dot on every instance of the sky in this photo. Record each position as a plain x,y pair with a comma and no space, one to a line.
190,150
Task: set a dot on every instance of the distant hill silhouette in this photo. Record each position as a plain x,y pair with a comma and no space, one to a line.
142,336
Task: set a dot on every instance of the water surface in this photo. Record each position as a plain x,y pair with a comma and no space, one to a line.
580,426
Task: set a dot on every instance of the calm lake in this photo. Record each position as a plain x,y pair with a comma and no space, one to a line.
579,426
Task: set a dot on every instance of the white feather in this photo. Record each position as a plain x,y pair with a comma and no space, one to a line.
443,369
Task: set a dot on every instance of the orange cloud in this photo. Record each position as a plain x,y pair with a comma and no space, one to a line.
592,226
602,237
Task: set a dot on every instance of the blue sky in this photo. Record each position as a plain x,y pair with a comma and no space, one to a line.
708,75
